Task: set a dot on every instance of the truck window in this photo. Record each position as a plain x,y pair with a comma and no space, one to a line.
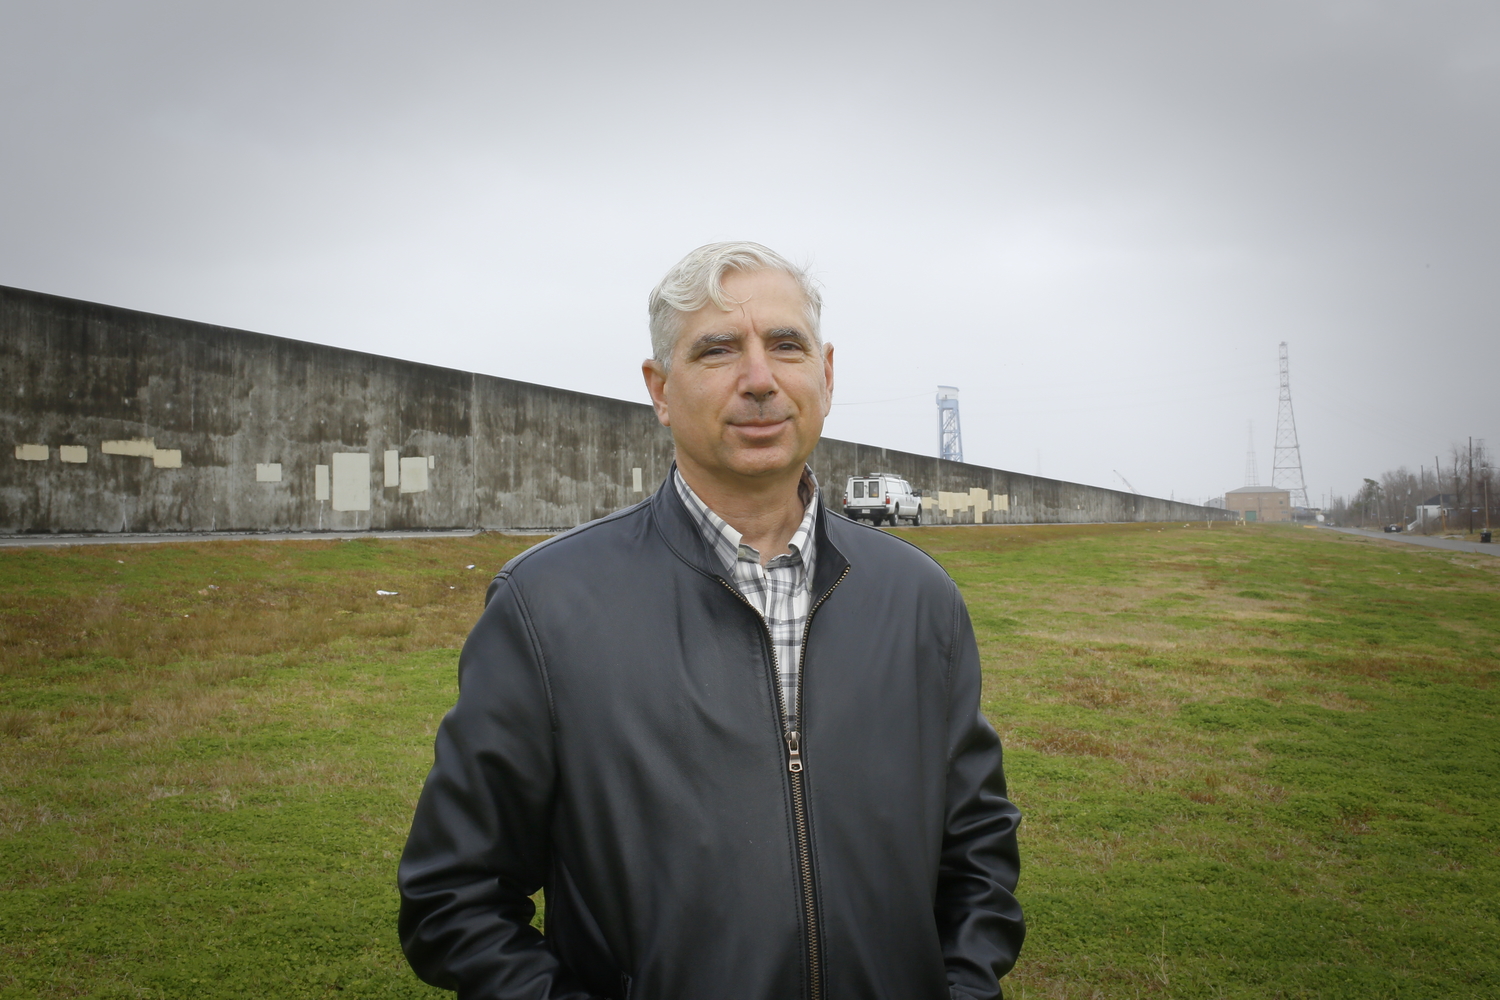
859,490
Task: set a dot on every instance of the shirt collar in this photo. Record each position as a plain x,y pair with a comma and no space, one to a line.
725,542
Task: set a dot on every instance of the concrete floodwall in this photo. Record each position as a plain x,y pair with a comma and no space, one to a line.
127,421
959,493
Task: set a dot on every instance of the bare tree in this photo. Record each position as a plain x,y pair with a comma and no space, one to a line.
1469,466
1462,482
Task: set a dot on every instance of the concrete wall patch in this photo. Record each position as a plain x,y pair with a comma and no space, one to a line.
73,454
32,452
351,480
138,447
268,472
414,475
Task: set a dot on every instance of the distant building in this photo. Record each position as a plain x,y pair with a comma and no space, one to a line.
1433,513
1260,503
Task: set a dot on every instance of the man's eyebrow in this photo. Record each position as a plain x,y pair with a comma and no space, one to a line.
788,333
708,340
711,339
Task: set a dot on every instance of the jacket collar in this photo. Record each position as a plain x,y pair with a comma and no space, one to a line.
680,532
831,565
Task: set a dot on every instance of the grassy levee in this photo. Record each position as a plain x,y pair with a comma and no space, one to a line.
1254,762
213,754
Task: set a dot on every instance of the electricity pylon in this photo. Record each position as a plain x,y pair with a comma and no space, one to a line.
1286,467
950,437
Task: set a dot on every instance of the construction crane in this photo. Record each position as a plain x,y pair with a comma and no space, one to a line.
1127,483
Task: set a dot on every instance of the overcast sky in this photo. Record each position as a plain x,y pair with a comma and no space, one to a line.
1098,219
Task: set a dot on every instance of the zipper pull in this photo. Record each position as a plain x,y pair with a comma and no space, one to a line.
794,752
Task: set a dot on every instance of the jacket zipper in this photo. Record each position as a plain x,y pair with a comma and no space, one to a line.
799,796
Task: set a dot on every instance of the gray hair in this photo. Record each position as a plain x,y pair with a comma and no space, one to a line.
697,280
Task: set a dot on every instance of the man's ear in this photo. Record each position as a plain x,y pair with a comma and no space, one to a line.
656,385
827,379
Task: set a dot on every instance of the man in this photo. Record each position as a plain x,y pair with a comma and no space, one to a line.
735,737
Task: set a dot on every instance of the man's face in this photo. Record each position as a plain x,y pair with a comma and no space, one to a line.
748,389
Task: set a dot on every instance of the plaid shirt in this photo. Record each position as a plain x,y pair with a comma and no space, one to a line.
781,590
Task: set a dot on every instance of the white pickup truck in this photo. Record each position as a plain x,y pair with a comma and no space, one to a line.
883,498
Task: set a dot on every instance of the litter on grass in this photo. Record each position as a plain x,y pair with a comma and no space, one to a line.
470,566
389,593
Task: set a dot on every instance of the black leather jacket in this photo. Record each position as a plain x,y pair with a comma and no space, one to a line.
617,740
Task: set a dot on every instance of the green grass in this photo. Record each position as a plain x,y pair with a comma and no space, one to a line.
212,759
1254,762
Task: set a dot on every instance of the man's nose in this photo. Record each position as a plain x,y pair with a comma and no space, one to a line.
757,378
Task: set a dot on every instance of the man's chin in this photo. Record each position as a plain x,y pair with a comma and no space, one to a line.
761,463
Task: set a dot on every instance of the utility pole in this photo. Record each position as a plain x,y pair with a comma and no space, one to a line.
1471,486
1437,475
1458,479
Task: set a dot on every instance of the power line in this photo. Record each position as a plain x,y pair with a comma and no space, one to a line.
872,402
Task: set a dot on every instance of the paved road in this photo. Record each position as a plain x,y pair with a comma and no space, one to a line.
1434,543
46,541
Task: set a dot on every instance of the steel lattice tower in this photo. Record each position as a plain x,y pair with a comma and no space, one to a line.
1286,468
950,437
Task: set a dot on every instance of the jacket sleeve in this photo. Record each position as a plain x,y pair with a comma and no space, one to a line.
478,846
978,918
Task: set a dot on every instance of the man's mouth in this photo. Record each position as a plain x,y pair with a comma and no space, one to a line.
760,426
